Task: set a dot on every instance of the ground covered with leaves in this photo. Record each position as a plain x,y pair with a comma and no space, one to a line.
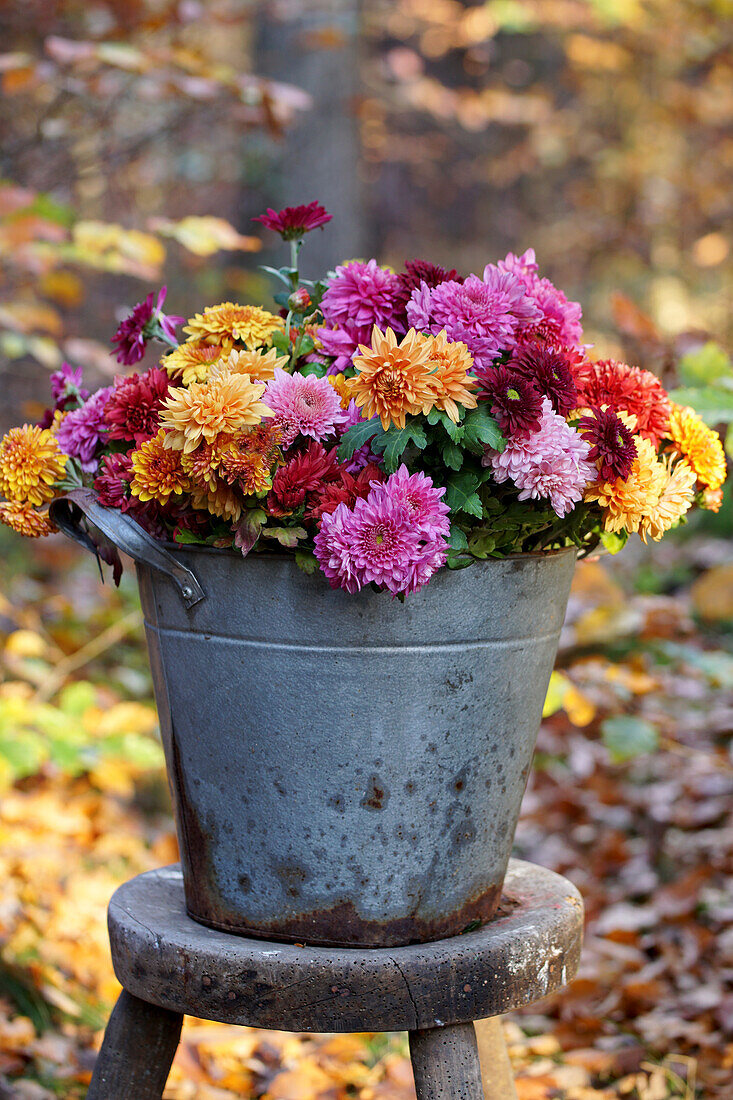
631,798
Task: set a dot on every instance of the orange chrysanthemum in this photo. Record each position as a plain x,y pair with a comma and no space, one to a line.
676,499
451,361
222,501
711,499
192,361
24,519
202,464
30,464
699,444
249,458
208,409
341,384
627,502
392,379
228,322
157,471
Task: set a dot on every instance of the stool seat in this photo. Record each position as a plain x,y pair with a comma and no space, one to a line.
162,956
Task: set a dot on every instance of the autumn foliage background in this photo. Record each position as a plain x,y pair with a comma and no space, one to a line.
138,139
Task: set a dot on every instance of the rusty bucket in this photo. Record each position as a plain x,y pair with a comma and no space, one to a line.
344,769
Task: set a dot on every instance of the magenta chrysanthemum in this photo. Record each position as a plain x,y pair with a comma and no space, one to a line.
341,344
612,445
145,321
549,464
513,400
293,221
559,320
550,371
423,501
303,404
362,295
83,429
486,314
66,386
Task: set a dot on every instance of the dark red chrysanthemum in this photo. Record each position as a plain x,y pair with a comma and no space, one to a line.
293,221
421,271
612,444
550,370
514,401
631,389
146,321
112,484
306,472
345,491
133,409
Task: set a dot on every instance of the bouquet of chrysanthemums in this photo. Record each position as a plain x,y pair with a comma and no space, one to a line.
380,425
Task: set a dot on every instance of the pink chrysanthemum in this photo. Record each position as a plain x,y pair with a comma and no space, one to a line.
559,320
341,344
112,484
303,404
550,464
293,221
83,429
362,295
422,500
486,314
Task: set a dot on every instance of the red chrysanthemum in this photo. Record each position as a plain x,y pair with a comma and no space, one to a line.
132,411
307,472
345,491
612,443
422,271
514,401
550,370
631,389
112,485
293,221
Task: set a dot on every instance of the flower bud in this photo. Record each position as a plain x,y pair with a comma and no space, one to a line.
300,300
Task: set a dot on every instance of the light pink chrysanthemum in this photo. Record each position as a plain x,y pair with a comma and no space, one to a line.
551,463
362,295
303,404
560,318
332,548
422,500
486,314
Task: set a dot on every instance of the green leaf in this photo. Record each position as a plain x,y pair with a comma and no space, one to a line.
457,538
306,560
357,436
249,529
303,346
280,341
614,540
394,441
707,365
76,698
480,429
286,536
461,495
452,455
626,737
319,369
482,542
556,691
713,404
186,538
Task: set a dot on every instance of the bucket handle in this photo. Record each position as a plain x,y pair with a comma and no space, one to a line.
126,535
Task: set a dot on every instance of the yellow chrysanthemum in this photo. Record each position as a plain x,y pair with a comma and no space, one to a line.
192,361
341,384
30,463
228,322
450,362
258,365
627,502
392,379
676,499
208,409
699,444
222,501
157,471
24,519
711,499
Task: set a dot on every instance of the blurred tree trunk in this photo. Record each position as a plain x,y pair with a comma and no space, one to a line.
315,46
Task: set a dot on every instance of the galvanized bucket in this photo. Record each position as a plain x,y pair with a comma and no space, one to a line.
344,769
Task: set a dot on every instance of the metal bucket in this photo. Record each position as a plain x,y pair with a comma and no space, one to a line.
344,769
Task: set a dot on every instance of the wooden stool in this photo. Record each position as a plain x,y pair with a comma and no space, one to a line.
170,965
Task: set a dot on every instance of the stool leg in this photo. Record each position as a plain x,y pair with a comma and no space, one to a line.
138,1047
496,1070
446,1064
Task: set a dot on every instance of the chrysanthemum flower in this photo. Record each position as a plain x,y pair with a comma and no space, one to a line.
361,295
637,391
699,444
30,463
422,271
341,344
332,547
141,325
202,465
453,386
513,400
192,361
83,430
303,405
24,519
293,221
423,501
550,464
627,502
207,409
304,473
347,490
612,445
711,499
250,456
228,322
392,379
133,408
112,483
550,371
260,366
339,383
486,314
223,501
675,500
157,472
559,320
66,386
